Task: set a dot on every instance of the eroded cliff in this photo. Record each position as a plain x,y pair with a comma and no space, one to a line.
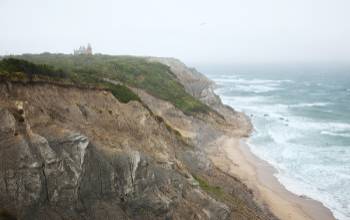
79,153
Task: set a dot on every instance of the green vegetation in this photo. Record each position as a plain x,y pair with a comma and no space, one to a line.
22,70
123,93
216,190
153,77
12,65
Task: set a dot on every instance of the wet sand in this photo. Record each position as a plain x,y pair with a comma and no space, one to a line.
233,156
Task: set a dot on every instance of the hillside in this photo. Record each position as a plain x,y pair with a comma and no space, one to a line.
114,137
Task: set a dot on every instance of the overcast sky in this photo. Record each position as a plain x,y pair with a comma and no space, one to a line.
214,31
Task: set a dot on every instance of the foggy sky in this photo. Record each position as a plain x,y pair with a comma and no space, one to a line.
214,31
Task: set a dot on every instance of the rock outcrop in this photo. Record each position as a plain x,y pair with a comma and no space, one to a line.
202,88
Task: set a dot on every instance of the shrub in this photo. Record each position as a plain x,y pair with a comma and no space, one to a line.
12,65
122,93
216,190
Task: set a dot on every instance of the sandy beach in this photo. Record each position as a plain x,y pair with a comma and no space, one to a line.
233,156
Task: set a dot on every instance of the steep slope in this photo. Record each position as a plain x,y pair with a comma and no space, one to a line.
77,152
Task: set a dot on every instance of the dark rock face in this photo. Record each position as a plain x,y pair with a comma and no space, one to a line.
36,173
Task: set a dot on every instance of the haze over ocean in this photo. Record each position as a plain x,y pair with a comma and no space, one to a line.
302,127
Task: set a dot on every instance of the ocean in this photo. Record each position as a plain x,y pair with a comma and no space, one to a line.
301,127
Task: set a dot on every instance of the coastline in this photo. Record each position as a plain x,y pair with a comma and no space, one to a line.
233,156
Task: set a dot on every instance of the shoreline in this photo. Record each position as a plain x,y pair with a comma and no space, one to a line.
234,157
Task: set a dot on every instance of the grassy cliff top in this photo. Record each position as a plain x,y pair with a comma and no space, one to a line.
155,78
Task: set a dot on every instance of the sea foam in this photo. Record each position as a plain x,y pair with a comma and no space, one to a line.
297,131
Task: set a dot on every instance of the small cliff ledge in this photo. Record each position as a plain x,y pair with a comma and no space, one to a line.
70,151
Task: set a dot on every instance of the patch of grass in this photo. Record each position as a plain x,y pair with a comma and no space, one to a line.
216,190
122,93
158,80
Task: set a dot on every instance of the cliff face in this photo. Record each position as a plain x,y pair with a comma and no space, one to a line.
202,88
74,153
84,150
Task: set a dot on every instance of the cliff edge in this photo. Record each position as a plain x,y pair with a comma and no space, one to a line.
115,149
